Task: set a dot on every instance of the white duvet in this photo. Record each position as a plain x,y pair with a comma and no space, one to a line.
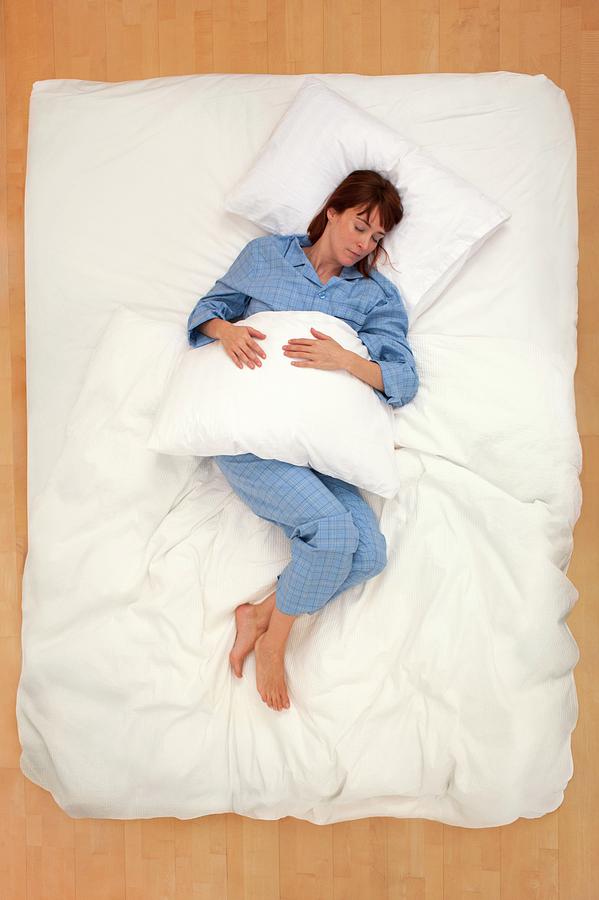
443,688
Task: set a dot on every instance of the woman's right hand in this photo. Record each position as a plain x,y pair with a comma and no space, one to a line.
240,346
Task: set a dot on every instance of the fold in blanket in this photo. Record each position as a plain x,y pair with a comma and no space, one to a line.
441,689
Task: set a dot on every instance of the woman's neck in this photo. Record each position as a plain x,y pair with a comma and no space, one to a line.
323,268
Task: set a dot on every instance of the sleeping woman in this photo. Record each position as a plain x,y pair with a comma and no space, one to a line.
334,534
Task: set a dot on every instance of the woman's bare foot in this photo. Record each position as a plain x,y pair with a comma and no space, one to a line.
252,621
270,674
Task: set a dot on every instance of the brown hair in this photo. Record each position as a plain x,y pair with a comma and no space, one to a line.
366,190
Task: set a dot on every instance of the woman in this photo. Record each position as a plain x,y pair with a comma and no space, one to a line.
335,539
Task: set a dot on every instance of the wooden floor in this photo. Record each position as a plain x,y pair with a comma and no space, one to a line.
43,852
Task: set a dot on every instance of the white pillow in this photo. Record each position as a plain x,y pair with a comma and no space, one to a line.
326,419
323,137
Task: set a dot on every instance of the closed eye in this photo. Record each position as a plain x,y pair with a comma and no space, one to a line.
363,230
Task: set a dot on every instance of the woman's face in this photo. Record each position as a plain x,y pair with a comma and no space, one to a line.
352,235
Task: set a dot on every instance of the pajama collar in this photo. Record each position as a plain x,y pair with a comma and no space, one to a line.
299,258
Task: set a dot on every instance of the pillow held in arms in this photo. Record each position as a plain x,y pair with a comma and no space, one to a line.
327,419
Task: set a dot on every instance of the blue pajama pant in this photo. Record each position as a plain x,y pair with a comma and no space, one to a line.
335,538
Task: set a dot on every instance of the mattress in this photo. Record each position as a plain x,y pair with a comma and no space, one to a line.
444,687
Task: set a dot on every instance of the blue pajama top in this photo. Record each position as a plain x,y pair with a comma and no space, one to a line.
272,272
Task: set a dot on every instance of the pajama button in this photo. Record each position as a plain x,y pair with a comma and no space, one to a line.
321,296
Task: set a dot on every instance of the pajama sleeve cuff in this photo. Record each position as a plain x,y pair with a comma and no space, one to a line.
195,336
400,382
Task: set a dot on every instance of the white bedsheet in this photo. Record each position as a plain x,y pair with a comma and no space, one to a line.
441,689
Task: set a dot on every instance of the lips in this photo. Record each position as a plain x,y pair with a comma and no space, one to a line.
354,254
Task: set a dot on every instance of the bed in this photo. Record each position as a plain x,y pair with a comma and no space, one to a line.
442,689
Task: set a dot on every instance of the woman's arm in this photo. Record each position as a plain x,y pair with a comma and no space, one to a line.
384,334
365,369
227,299
214,328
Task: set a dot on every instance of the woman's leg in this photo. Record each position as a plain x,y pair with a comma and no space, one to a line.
321,529
323,542
370,557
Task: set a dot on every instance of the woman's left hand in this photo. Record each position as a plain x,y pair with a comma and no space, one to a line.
322,353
